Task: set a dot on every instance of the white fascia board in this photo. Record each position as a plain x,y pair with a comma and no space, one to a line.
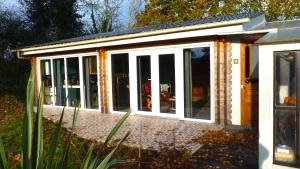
170,36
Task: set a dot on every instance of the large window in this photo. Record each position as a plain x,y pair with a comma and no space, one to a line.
59,82
286,104
90,82
120,82
144,83
167,83
197,83
47,80
71,81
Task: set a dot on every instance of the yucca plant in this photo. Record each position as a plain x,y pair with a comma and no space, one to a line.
33,143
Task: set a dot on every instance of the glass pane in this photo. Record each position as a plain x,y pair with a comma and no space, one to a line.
167,83
285,136
120,82
59,81
285,78
144,83
197,83
90,80
73,81
46,78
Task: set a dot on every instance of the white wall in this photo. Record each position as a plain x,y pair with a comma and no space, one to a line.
266,102
236,83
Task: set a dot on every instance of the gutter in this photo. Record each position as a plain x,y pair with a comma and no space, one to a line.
19,54
136,35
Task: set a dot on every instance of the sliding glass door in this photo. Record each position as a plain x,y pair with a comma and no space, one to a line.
197,83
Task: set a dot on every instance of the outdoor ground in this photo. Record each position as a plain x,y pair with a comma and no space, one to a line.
221,149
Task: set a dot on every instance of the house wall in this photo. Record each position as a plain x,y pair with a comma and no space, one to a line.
222,58
236,82
266,96
223,81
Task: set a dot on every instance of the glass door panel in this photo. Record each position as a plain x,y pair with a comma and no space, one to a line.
144,83
167,83
90,80
120,82
73,81
47,80
59,81
286,118
197,83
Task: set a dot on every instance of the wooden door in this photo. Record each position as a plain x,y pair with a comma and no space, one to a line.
249,89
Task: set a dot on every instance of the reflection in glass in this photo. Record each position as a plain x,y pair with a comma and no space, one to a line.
59,78
90,84
144,83
285,129
73,81
120,82
286,78
197,83
46,79
167,83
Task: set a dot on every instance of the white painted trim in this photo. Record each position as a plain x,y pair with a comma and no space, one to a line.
82,89
66,80
160,37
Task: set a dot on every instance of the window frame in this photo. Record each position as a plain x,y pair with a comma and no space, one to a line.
80,62
296,109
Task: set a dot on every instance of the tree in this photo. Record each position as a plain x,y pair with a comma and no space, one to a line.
65,21
165,11
133,9
52,19
104,15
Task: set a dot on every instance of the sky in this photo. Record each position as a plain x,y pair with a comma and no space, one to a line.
13,4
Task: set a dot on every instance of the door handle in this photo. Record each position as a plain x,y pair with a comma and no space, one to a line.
243,86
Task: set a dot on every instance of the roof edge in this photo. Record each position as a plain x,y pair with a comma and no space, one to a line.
138,35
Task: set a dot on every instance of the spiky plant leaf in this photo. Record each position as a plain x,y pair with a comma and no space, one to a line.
54,141
63,162
37,142
88,158
104,163
28,122
3,160
116,128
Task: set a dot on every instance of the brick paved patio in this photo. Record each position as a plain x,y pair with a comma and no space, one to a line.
150,132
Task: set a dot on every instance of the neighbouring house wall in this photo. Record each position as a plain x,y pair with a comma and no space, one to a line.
266,96
104,83
236,82
223,80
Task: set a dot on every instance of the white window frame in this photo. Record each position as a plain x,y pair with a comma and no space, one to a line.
154,52
80,61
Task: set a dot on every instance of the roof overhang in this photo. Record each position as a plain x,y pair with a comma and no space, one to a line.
237,26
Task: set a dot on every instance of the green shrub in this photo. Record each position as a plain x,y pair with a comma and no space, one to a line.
33,155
